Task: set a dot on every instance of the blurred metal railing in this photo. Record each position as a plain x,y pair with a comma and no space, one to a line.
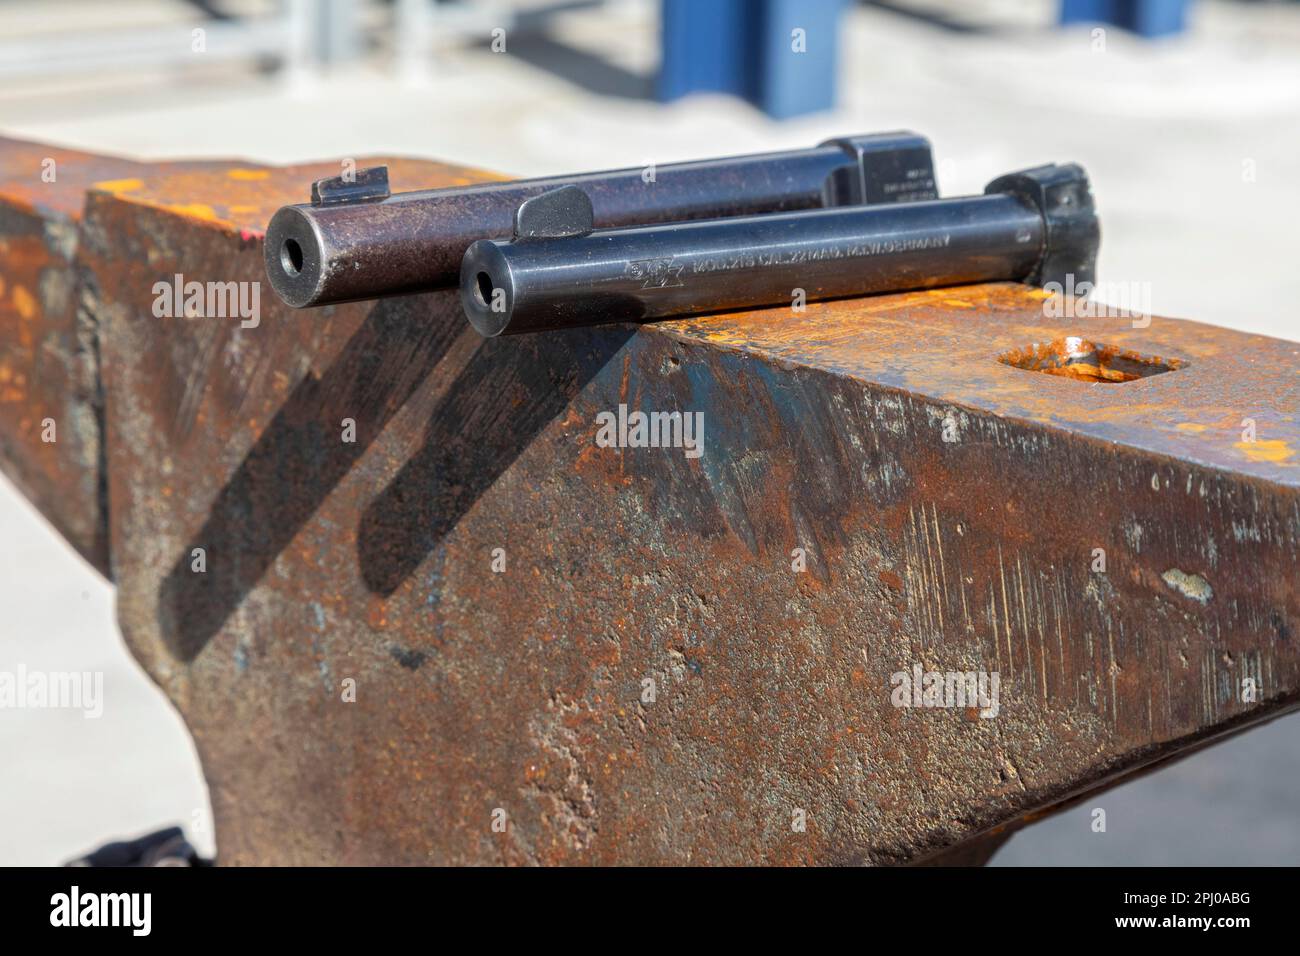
290,36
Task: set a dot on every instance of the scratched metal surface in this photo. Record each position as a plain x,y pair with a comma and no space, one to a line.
520,691
48,360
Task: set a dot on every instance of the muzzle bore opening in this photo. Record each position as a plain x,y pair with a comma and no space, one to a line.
291,256
484,290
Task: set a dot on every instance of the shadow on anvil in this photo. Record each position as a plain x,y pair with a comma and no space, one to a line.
506,394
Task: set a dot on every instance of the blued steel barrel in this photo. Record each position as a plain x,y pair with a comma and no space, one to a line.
531,285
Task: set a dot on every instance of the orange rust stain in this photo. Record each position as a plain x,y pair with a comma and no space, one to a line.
119,185
1272,450
1191,427
376,613
10,393
24,303
197,210
249,175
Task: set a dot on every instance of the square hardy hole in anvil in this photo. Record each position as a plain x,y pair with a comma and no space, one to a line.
1073,356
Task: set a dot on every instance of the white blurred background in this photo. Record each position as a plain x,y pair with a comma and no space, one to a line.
1192,143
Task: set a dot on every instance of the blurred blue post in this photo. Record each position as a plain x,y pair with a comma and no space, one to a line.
1146,18
795,70
1157,18
703,47
781,55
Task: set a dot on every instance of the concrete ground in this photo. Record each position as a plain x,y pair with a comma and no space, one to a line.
1193,146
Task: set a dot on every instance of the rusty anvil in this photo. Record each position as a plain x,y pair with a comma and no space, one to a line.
473,635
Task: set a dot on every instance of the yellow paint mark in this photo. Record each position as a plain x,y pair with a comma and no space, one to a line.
119,185
198,210
1272,449
24,303
1191,427
249,175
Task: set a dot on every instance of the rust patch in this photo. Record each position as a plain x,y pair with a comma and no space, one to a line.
1271,449
24,303
120,185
